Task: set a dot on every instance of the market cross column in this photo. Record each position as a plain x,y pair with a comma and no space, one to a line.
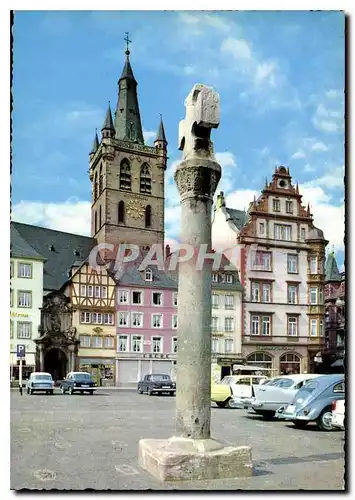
192,453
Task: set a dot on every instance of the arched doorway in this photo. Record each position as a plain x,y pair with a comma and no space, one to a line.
260,359
56,363
290,363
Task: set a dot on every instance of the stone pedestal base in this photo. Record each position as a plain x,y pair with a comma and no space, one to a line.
179,459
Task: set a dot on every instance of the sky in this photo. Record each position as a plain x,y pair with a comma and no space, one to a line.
280,76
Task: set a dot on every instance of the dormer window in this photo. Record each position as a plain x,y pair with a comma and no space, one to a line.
276,205
51,248
148,275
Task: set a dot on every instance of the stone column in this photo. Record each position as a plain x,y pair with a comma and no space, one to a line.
191,454
41,358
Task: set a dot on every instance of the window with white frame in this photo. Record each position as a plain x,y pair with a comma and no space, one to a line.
228,345
282,232
266,292
157,344
229,278
97,318
262,228
255,297
96,341
261,261
313,327
136,320
303,234
289,207
82,290
85,317
148,275
123,296
137,343
215,278
157,298
123,319
90,291
108,319
292,326
24,299
108,342
84,340
24,270
24,329
313,264
228,324
215,344
175,321
255,325
320,295
97,291
321,328
175,299
214,323
157,321
122,344
215,301
174,344
229,302
266,325
137,297
276,205
292,292
313,295
260,292
104,293
292,263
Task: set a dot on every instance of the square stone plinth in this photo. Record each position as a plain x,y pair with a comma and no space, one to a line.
179,459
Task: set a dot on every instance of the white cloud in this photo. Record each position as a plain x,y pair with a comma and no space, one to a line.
308,168
149,135
334,94
298,155
329,120
72,216
319,146
229,166
196,22
189,70
241,198
239,49
332,179
266,72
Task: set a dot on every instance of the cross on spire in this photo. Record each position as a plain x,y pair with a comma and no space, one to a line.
128,41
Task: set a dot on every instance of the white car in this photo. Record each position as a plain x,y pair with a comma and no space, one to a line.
40,382
278,392
338,413
242,387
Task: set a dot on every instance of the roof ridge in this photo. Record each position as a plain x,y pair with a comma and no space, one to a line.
49,229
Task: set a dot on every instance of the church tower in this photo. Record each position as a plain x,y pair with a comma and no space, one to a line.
127,176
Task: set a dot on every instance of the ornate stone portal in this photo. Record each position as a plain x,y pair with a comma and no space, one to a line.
57,345
192,453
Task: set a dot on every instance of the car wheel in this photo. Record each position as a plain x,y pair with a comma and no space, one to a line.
221,404
267,415
139,391
51,392
70,391
324,421
91,392
62,390
300,424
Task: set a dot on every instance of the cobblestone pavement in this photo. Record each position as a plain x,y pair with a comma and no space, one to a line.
78,442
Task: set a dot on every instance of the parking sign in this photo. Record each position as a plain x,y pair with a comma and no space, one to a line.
20,350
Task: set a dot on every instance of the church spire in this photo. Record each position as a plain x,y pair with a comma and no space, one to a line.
108,129
95,144
128,125
161,132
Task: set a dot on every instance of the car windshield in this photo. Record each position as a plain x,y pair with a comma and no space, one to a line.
159,378
308,388
82,376
43,377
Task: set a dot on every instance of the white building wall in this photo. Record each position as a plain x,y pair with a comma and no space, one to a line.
32,314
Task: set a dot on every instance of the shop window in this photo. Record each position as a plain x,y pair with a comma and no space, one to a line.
290,363
260,359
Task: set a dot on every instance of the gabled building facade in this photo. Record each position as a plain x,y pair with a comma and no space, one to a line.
146,304
280,256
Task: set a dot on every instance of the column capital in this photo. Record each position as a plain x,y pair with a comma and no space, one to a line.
197,177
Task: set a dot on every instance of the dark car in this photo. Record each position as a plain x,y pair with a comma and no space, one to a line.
156,383
77,382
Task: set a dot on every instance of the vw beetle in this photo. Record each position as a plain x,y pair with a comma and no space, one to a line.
313,402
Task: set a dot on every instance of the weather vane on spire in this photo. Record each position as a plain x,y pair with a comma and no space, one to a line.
128,41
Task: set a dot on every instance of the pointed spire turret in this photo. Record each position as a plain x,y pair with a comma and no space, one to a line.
128,125
308,210
331,268
297,191
161,132
108,129
95,144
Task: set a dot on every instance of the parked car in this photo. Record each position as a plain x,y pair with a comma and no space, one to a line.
221,394
40,382
313,402
158,384
278,392
77,382
338,413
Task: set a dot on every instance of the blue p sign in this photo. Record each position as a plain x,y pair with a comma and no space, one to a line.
21,351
